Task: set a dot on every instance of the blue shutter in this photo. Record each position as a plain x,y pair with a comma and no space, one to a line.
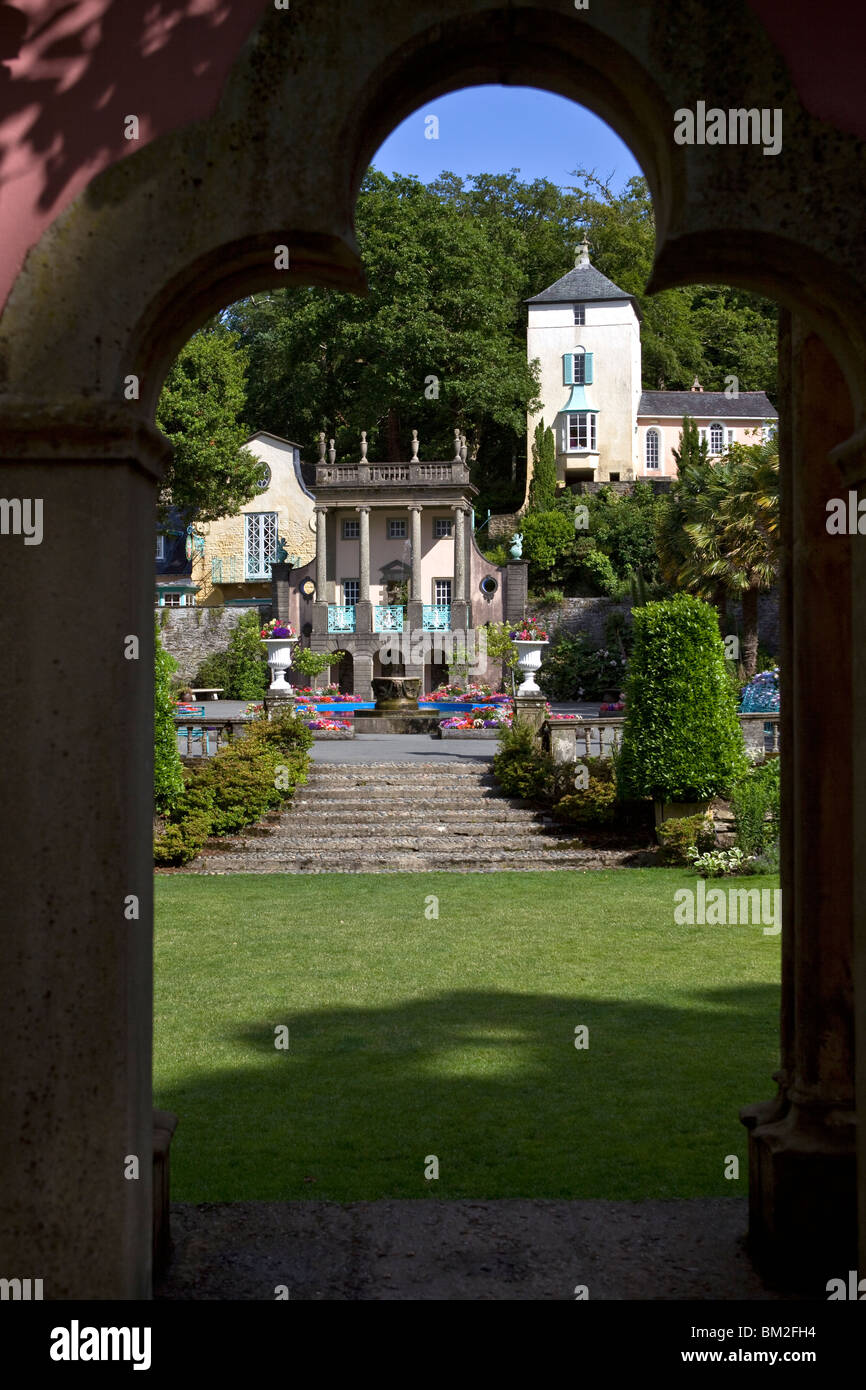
568,368
587,368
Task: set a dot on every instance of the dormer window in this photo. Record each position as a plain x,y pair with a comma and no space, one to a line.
580,314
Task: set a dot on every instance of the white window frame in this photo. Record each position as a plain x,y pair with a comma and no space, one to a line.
446,522
730,438
355,534
578,372
442,602
351,592
266,543
397,522
715,425
579,315
160,547
590,429
653,434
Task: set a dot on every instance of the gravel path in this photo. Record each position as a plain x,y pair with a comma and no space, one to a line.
511,1249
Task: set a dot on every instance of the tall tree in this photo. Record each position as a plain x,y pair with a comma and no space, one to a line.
201,410
542,488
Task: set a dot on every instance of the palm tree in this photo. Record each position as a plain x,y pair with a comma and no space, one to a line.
733,535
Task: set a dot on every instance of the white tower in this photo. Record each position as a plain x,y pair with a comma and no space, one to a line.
585,331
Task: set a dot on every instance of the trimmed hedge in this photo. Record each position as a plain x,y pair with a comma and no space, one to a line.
682,739
254,773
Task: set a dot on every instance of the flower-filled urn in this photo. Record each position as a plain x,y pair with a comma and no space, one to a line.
279,637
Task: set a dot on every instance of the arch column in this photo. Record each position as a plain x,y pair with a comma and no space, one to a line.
320,603
802,1191
76,947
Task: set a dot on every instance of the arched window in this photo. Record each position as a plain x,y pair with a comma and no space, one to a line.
652,448
717,439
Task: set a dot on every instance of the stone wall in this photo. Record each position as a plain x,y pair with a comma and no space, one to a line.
191,634
589,615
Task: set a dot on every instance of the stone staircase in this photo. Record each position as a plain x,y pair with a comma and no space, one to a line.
394,817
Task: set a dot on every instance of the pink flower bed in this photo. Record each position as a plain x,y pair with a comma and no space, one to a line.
315,720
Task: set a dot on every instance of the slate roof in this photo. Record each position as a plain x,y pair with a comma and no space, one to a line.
748,405
584,282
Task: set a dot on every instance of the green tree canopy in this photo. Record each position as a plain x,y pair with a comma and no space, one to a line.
201,411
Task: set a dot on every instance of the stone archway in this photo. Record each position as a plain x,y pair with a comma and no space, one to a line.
153,246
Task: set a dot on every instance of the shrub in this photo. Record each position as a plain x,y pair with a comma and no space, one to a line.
766,863
167,766
547,538
241,669
682,739
594,805
718,863
679,834
755,804
236,787
311,664
575,670
520,767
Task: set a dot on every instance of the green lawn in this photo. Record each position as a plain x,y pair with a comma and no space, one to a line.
411,1036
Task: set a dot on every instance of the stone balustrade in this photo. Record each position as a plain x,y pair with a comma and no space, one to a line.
570,739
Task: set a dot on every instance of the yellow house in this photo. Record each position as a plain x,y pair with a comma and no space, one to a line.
235,564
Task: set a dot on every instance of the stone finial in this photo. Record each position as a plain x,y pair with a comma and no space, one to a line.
332,453
414,458
456,446
696,385
363,446
463,449
581,253
321,447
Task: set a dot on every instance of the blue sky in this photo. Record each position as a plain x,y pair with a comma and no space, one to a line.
493,129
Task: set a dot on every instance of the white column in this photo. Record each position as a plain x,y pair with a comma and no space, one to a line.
364,553
321,553
459,594
416,553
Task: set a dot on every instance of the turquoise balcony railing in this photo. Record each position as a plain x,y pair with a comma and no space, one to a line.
341,617
387,618
436,617
227,569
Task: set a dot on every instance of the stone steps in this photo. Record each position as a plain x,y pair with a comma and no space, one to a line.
395,862
394,818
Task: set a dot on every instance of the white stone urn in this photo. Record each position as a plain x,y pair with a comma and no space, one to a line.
529,662
279,660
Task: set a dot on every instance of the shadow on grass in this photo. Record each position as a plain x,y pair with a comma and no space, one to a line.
489,1083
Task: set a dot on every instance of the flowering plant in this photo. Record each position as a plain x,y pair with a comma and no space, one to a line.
616,707
484,717
761,695
277,628
323,723
474,690
530,631
328,695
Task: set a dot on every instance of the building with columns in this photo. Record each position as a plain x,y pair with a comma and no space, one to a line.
585,333
397,578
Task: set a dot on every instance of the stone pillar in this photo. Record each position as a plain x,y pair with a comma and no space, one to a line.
802,1194
459,593
76,859
364,553
516,590
321,553
280,590
415,587
363,674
